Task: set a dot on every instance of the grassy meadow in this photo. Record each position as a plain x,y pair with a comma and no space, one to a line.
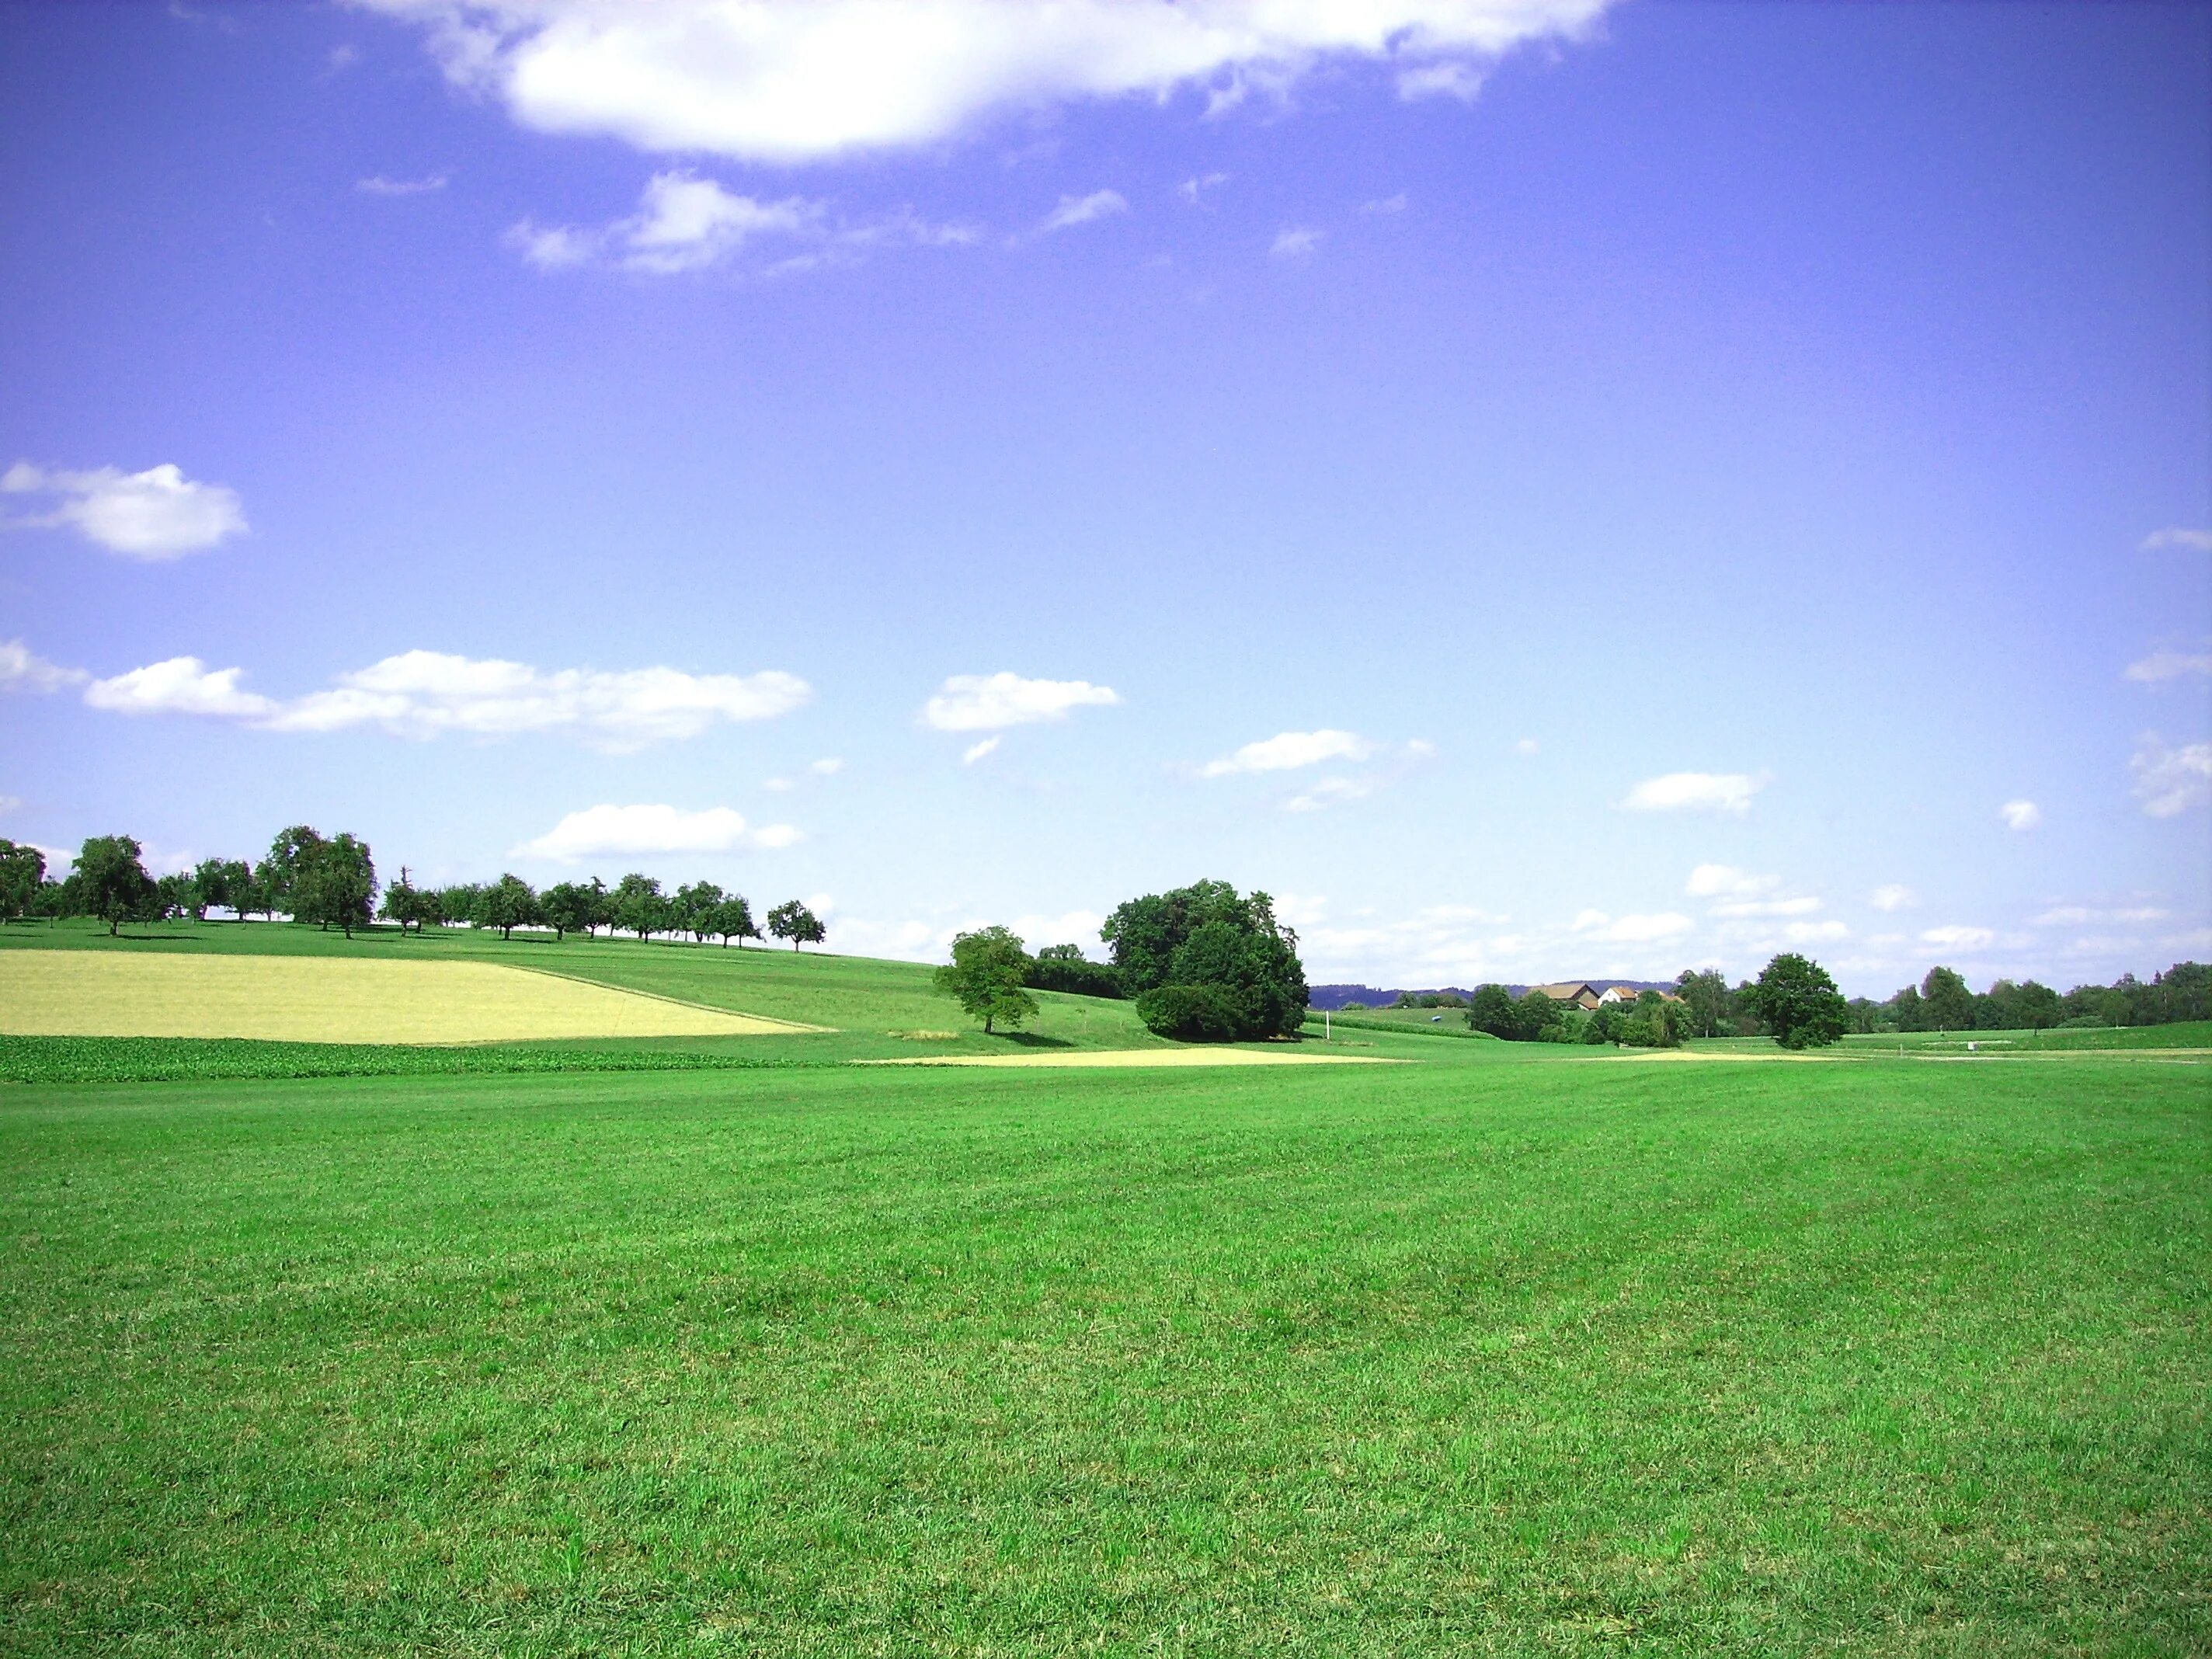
1503,1350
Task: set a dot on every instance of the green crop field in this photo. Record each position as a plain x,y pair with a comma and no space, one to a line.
1471,1354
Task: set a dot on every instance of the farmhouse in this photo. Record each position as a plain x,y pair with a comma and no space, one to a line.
1579,992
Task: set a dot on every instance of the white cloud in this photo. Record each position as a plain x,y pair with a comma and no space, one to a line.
1450,79
778,785
2020,814
379,184
987,702
1082,209
801,79
1802,906
606,829
1294,242
155,514
2198,540
2162,665
1385,204
1527,747
1726,881
828,766
1634,930
2169,781
1330,792
1895,896
1286,751
1192,191
1956,938
10,803
2079,915
975,751
180,685
423,694
1695,791
1815,933
681,224
20,670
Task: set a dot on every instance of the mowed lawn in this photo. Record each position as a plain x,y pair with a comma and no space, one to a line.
1435,1359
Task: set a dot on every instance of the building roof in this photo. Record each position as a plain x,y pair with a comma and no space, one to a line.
1570,990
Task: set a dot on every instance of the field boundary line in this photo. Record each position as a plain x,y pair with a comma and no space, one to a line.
679,1002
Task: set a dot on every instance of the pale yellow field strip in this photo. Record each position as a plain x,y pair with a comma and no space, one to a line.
330,1000
1141,1057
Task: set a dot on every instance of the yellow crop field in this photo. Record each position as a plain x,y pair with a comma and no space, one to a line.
328,1000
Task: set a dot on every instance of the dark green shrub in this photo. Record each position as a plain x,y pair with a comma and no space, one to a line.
1192,1013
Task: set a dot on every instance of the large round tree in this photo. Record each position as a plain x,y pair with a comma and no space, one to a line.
1203,963
1799,1002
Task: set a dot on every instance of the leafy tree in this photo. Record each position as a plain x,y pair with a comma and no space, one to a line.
1800,1003
1604,1024
1206,935
290,855
224,883
111,884
985,976
1192,1014
1705,1000
693,908
506,904
1492,1011
637,906
22,872
334,881
1535,1015
455,903
794,921
1065,968
1947,1003
732,919
569,907
174,895
406,904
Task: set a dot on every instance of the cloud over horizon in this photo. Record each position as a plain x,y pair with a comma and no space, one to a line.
1695,791
650,829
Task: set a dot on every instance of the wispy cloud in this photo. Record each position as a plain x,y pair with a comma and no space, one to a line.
1696,791
990,702
427,694
1895,896
975,751
1956,937
1385,204
599,831
2197,540
2169,665
153,515
1287,751
2169,781
1192,191
2020,816
23,670
379,184
1082,209
1294,242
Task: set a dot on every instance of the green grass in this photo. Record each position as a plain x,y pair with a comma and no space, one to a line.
1452,1358
180,1059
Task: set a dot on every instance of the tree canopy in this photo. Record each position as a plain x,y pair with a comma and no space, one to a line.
985,976
794,921
1206,935
111,884
1800,1003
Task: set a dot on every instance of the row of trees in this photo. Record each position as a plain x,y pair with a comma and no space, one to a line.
1794,1001
1203,964
1944,1002
331,880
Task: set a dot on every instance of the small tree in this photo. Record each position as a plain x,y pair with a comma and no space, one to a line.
732,919
986,976
637,906
335,882
694,907
175,895
111,884
1800,1003
404,902
22,872
794,921
506,904
1945,1004
1705,998
1492,1010
568,908
223,882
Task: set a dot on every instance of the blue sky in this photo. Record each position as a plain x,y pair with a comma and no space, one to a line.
1542,488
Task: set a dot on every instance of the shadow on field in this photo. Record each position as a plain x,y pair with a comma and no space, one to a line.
1033,1040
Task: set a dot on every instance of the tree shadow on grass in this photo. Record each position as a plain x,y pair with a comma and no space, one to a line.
1032,1040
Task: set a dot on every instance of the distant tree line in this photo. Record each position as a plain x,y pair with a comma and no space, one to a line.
331,881
1707,1005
